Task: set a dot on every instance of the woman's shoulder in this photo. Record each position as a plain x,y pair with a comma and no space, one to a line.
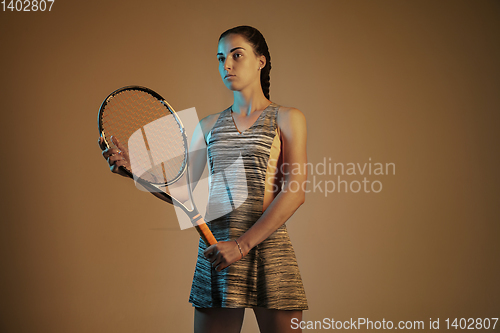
289,117
208,123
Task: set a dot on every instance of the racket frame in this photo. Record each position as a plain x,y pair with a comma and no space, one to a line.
193,214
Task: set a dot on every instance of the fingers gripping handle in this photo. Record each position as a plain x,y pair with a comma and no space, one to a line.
203,230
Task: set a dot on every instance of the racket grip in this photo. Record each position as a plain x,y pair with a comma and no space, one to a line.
203,230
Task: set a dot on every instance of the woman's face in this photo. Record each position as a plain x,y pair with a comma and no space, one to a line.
238,63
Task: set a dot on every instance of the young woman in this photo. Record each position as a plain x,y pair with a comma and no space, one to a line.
253,265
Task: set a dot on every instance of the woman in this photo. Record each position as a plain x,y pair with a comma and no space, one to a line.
253,264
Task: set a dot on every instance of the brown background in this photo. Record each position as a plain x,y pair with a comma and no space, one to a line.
414,83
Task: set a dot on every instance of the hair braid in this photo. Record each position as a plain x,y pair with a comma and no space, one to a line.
265,76
257,40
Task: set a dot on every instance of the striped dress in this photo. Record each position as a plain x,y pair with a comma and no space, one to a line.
244,179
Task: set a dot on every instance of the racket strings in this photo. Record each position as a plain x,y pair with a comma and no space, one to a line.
158,147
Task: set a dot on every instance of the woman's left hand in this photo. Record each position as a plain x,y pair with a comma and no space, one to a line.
223,254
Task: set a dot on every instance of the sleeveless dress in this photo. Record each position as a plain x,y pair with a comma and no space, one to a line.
244,179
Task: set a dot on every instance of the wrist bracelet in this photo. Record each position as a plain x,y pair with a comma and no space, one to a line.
239,248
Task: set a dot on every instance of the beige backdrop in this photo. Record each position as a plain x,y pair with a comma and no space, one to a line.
414,83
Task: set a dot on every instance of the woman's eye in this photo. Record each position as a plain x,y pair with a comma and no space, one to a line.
237,55
220,59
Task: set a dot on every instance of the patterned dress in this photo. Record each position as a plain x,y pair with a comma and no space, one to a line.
244,179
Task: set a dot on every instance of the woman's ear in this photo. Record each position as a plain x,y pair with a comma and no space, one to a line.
262,61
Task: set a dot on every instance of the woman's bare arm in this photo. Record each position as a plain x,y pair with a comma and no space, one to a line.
293,127
198,149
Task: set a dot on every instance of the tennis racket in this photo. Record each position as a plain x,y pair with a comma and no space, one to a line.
151,131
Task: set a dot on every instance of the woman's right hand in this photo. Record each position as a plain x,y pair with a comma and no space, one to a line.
115,157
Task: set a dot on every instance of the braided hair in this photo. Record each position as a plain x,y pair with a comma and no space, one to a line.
257,40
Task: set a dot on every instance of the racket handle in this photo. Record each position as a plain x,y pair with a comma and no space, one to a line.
203,230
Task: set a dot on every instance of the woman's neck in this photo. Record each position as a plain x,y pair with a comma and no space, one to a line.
245,103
